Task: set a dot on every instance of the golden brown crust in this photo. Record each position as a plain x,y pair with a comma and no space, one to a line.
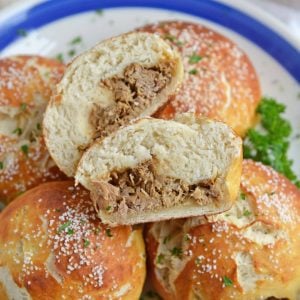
53,245
249,252
220,81
26,86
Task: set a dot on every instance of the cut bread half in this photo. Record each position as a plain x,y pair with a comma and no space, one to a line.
154,170
120,79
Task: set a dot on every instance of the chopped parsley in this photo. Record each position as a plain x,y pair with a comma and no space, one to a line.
60,57
197,261
22,32
108,232
246,213
1,165
176,252
76,40
57,209
99,12
193,71
243,196
97,231
86,243
23,106
160,258
166,239
25,149
71,52
38,126
70,231
108,208
64,226
271,146
227,281
170,37
187,237
195,58
18,131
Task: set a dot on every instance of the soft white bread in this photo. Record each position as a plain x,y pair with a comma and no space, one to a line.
122,78
156,169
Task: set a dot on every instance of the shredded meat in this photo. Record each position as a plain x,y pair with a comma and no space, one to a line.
133,92
140,189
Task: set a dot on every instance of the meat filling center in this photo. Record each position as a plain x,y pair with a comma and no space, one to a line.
140,189
133,92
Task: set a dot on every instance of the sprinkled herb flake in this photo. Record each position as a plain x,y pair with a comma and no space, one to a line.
193,71
71,52
1,165
195,58
70,231
60,57
108,232
57,209
18,131
25,149
23,106
170,37
22,32
86,243
97,231
176,252
160,258
108,208
166,239
99,12
76,40
38,126
197,261
242,196
227,281
64,226
187,237
246,213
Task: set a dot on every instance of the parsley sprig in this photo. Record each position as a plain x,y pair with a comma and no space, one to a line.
271,146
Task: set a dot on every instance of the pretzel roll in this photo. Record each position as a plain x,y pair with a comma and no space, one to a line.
53,246
249,252
26,84
219,82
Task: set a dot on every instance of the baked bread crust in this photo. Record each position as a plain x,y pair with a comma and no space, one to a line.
25,89
53,246
248,252
220,81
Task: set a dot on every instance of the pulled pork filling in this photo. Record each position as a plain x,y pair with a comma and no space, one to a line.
133,92
139,189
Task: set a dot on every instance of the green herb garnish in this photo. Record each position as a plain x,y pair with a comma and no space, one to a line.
57,209
170,37
246,213
108,208
97,231
243,196
70,231
193,72
76,40
227,281
271,146
64,226
23,106
1,165
22,32
99,12
176,252
60,57
25,149
18,131
71,52
166,239
195,58
86,243
108,232
38,126
160,258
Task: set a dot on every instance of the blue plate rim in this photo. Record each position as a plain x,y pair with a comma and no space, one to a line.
285,52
